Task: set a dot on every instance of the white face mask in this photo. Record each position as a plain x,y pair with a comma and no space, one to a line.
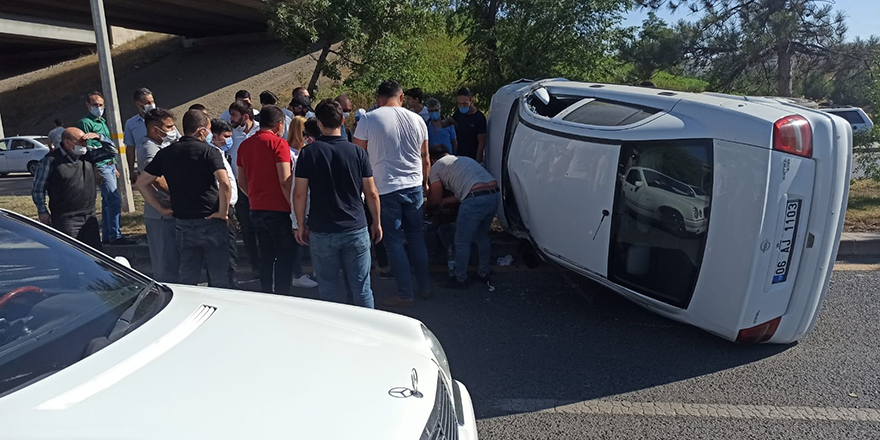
345,114
96,111
149,107
171,136
79,150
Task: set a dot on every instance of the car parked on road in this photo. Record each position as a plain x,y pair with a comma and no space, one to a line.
857,118
20,154
92,349
724,212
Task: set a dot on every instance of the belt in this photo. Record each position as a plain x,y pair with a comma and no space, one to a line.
484,192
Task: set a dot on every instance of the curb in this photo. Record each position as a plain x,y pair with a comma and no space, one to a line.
859,244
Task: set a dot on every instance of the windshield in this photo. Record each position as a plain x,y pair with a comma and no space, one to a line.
59,301
667,183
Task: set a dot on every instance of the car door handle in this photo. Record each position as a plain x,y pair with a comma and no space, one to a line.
27,152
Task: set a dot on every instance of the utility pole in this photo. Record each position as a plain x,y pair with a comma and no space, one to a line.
111,110
1,128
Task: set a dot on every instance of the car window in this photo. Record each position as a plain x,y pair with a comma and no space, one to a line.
606,113
20,144
4,145
633,177
557,104
666,183
851,116
56,298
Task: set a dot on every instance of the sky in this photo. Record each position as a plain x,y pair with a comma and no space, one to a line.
863,17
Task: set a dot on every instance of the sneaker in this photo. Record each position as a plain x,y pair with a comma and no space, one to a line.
122,241
426,294
396,301
454,283
304,281
385,275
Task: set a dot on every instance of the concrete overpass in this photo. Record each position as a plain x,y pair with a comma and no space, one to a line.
35,25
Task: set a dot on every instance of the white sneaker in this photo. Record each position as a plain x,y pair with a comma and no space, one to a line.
305,282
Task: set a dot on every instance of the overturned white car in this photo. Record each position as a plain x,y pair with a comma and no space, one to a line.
723,212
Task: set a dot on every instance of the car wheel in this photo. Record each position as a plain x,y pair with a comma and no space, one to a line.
674,222
32,167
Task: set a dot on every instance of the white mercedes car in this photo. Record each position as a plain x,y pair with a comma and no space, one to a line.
91,349
22,153
724,212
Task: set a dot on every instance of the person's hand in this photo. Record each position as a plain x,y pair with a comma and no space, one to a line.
166,212
376,233
99,179
217,215
117,173
46,219
426,187
302,235
134,178
90,136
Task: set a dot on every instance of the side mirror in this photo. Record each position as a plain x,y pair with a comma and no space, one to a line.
123,261
542,94
639,184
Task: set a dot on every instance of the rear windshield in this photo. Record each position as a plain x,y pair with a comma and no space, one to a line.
851,116
661,218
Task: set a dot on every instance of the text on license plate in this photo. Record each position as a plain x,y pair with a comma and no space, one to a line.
785,246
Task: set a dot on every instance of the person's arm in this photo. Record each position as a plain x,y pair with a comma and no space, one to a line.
481,139
39,189
144,185
283,169
130,151
426,163
435,195
300,195
242,180
360,143
362,133
225,195
453,139
371,195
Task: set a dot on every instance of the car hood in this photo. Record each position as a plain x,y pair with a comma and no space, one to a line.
242,365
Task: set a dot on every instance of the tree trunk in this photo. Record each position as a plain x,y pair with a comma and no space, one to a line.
319,67
783,71
492,43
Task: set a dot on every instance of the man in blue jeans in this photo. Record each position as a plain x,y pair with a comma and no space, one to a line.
477,191
397,141
336,172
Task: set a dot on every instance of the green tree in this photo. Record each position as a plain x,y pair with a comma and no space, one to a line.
656,47
756,39
508,40
362,35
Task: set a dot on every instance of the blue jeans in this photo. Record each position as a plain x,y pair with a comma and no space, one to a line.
349,251
111,203
472,225
402,214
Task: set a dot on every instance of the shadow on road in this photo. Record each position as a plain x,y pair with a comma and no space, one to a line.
536,342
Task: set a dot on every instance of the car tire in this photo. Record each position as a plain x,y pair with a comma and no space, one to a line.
674,222
32,167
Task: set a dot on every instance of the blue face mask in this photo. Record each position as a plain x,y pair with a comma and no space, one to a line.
464,109
209,138
435,116
227,145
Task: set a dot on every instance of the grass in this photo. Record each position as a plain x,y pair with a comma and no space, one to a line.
863,208
132,224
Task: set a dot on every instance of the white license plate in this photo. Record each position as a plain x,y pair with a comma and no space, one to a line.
785,246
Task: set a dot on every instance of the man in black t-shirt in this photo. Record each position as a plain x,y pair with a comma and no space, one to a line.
470,126
336,172
200,193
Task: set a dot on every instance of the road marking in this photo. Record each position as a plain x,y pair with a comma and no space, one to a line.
850,267
768,412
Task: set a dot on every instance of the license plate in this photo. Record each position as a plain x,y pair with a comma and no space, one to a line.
785,246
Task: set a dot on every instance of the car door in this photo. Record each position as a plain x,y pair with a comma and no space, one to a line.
19,152
564,185
4,149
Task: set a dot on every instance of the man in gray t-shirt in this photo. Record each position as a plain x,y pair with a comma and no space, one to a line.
477,191
164,257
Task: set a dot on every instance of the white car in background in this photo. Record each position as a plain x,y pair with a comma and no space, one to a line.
19,154
91,349
724,212
857,118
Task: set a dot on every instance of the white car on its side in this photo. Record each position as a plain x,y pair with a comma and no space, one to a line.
90,349
723,212
20,154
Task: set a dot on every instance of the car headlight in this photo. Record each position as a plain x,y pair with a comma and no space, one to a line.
438,352
696,213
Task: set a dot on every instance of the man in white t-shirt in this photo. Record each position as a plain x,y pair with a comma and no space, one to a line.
241,95
396,140
243,127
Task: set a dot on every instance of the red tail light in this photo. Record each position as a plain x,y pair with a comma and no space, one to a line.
759,333
793,135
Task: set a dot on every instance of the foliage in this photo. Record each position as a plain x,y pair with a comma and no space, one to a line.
669,81
866,146
753,45
656,47
508,40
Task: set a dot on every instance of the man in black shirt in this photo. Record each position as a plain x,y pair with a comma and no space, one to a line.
337,172
200,194
470,126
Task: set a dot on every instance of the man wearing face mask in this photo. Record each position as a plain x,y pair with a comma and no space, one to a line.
345,103
243,127
200,194
160,133
221,138
67,174
470,126
135,130
111,201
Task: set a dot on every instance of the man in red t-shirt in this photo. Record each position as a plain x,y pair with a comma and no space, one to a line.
264,176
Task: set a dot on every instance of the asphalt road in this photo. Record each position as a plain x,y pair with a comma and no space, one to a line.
543,360
16,184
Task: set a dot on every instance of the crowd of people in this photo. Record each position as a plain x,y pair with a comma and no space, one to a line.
343,185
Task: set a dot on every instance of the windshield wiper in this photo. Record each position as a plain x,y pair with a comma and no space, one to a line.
125,322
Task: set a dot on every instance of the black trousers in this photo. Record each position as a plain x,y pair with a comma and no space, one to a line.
83,227
248,233
278,250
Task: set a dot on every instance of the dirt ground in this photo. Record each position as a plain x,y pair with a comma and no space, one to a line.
178,78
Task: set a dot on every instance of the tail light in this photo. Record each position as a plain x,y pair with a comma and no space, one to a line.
793,135
759,333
